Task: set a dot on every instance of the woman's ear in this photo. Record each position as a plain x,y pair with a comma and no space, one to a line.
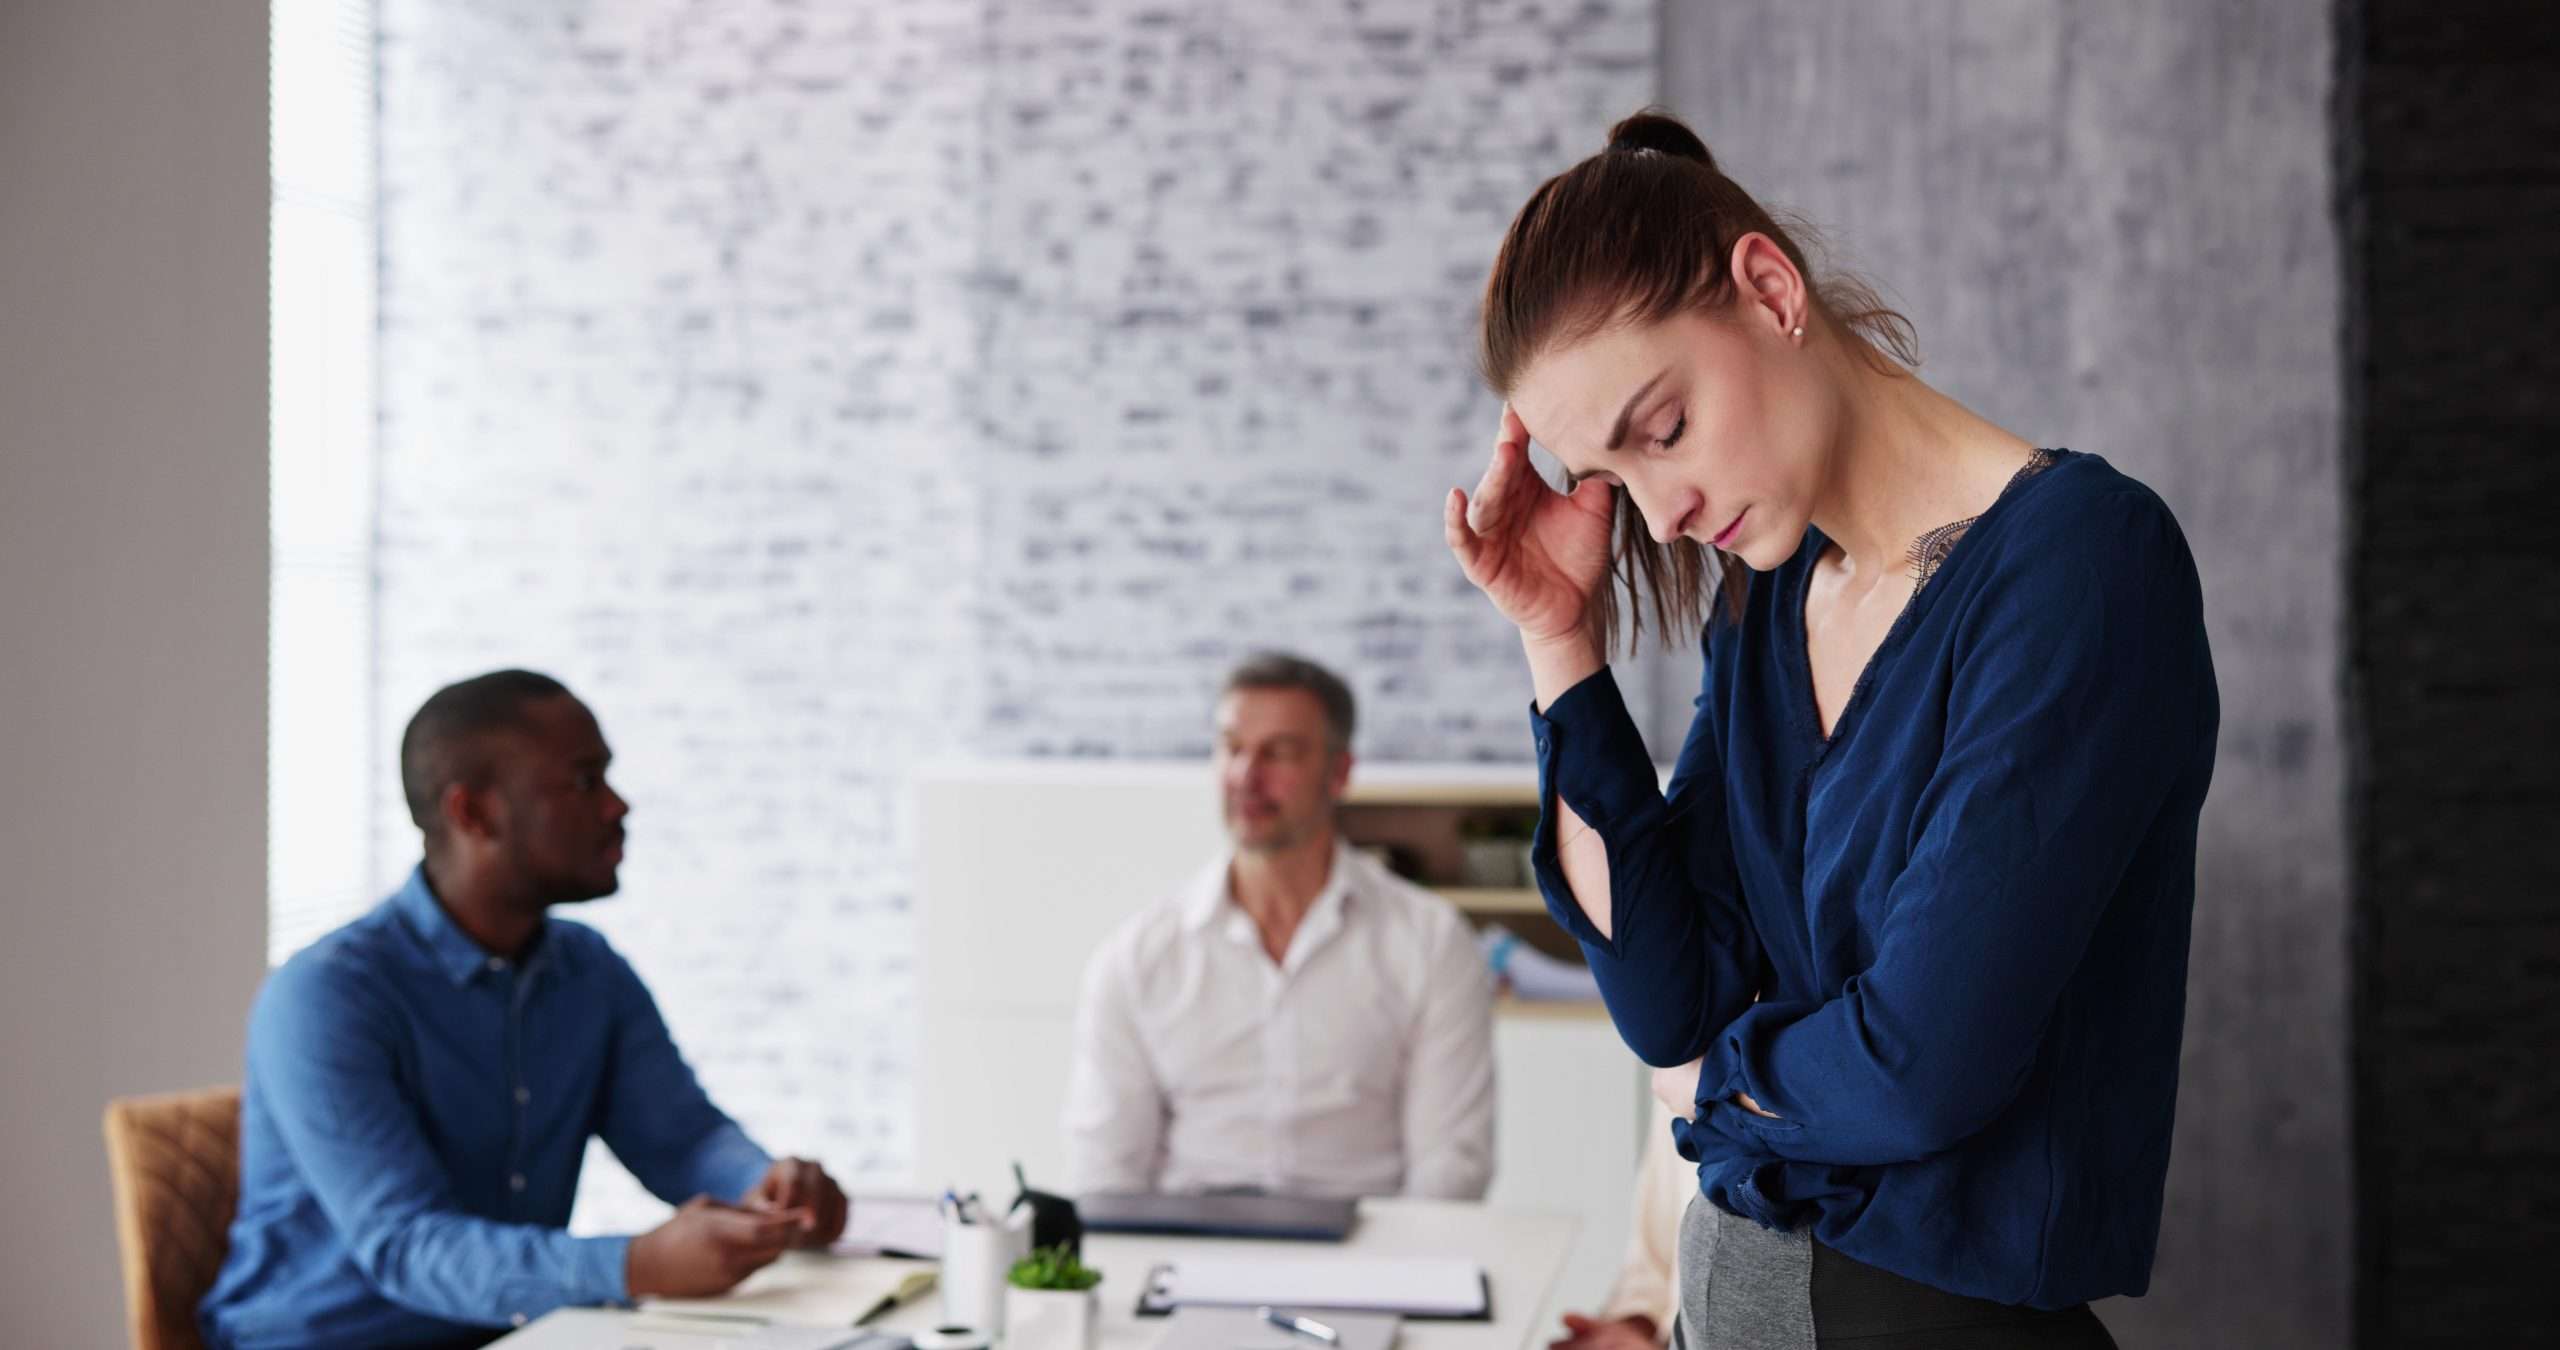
1767,285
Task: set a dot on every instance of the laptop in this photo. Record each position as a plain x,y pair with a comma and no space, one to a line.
1224,1214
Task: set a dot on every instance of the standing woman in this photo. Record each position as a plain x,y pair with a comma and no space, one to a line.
1911,920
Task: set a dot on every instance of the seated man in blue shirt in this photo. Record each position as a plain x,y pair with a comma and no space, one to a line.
422,1082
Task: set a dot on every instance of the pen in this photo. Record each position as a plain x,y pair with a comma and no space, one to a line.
1304,1326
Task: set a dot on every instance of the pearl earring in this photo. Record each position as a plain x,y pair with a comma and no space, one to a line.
1799,330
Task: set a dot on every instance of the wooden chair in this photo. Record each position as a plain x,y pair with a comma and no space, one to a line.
175,1162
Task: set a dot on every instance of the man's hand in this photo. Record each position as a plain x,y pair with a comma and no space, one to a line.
706,1249
1611,1333
802,1189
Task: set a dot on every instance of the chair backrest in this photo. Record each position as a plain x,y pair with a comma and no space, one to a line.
175,1163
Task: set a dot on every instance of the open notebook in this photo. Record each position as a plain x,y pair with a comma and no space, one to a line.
1422,1288
811,1289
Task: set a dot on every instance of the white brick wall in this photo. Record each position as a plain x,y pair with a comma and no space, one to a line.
820,387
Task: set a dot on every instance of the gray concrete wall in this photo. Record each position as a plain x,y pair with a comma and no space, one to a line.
133,588
2111,225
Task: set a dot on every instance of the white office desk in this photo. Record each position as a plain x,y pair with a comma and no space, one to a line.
1521,1255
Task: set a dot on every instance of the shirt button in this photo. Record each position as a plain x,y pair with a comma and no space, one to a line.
517,1320
523,1095
516,1182
497,963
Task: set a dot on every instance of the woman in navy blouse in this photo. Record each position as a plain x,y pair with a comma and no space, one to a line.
1909,926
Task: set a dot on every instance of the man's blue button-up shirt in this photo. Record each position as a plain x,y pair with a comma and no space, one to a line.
412,1125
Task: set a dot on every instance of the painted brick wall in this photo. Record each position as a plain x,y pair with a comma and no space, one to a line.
822,388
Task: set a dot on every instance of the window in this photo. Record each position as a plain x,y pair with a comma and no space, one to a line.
322,768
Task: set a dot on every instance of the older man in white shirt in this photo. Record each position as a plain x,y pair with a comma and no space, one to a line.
1298,1019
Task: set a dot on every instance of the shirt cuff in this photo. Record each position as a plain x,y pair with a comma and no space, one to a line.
1590,756
600,1271
730,1164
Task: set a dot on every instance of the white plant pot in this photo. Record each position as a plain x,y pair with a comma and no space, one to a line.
1051,1319
1490,862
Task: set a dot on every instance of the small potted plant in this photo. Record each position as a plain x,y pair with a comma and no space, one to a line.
1049,1303
1494,849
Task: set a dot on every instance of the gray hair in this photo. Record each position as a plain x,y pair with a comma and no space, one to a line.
1283,670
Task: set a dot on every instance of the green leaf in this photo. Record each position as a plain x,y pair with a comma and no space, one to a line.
1052,1268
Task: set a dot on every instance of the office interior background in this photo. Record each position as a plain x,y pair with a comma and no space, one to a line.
828,392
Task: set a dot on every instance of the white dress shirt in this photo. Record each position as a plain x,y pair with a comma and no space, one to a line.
1361,1064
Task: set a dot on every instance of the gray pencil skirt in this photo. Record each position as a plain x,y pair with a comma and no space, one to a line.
1745,1287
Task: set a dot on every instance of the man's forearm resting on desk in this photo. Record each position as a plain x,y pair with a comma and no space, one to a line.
707,1248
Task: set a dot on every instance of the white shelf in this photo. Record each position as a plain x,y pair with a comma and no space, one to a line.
1557,1010
1493,899
1379,791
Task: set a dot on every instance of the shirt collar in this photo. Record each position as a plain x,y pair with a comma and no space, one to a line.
454,952
1209,899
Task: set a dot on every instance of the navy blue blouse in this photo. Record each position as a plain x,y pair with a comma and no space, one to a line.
1964,915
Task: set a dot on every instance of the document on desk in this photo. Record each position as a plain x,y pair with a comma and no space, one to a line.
893,1225
614,1329
1244,1329
1413,1287
812,1289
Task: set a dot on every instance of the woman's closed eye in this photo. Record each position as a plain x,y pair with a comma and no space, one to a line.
1672,437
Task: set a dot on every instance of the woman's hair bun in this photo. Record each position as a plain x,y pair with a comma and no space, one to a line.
1657,130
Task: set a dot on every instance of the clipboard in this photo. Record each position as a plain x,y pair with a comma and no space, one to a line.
1154,1300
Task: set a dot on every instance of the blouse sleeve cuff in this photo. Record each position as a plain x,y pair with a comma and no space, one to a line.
1590,752
1590,756
1722,1075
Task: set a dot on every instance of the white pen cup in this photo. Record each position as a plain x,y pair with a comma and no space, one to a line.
976,1258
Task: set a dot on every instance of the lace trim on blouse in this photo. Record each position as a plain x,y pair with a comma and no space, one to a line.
1931,549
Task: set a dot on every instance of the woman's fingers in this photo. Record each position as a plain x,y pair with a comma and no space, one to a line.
1497,497
1462,537
1595,496
1510,489
1484,506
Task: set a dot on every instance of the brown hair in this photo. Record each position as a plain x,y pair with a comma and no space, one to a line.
1638,233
